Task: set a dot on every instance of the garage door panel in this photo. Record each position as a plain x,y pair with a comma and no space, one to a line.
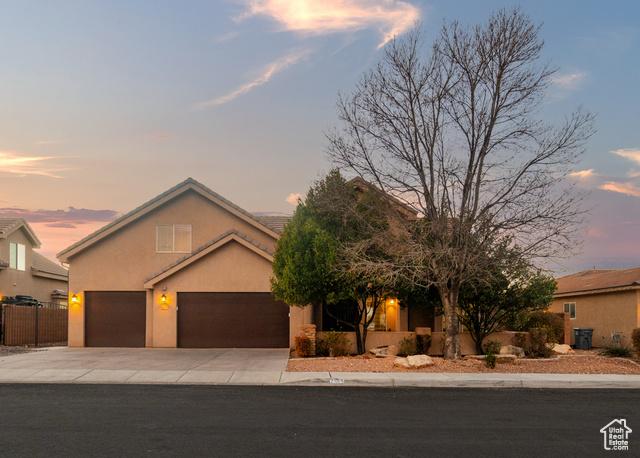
226,320
115,318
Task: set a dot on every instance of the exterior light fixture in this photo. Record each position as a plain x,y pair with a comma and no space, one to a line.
163,299
74,299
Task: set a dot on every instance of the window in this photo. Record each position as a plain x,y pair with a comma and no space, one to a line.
570,308
173,239
17,253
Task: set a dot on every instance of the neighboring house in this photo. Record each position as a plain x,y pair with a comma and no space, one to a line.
606,300
24,272
186,269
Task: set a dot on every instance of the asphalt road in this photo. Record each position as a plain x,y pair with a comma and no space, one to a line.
158,420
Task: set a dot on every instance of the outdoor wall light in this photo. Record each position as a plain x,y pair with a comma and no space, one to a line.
74,299
163,299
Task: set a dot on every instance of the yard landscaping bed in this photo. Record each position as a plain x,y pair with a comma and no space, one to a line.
7,351
581,362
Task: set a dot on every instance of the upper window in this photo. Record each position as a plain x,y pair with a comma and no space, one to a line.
570,308
17,253
173,239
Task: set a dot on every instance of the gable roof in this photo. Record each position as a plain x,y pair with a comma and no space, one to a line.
187,185
198,253
360,183
45,267
10,225
598,280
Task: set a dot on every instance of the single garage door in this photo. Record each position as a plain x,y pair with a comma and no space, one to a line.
232,320
115,318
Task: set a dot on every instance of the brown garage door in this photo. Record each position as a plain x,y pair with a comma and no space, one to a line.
115,318
232,320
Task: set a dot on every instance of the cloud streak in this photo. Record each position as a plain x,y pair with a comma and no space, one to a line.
628,189
266,74
389,17
69,218
583,174
12,163
632,154
571,81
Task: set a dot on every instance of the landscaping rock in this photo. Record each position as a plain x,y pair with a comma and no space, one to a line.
512,350
384,351
559,349
414,362
392,350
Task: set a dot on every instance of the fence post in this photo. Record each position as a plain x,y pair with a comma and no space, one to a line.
36,338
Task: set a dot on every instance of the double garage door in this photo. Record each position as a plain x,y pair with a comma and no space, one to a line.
205,320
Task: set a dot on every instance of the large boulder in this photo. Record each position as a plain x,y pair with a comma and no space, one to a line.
414,362
559,349
512,350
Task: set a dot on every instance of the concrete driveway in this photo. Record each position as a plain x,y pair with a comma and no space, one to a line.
151,359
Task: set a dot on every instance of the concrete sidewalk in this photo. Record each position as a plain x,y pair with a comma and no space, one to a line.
252,367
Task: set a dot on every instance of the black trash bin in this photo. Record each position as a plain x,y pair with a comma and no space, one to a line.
583,338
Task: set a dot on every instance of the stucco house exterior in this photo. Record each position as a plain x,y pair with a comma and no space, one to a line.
186,269
26,272
605,300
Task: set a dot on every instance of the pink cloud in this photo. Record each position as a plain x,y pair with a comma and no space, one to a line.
294,198
70,216
623,188
389,17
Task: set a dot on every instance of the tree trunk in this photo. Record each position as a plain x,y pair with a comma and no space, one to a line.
479,349
360,340
449,300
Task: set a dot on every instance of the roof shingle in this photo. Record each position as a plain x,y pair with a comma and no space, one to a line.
592,280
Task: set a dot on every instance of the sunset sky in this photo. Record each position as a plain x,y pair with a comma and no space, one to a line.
106,104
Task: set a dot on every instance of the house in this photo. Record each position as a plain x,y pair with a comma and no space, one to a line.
606,300
25,272
186,269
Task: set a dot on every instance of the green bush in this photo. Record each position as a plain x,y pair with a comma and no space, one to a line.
337,343
490,360
539,344
322,349
492,347
635,338
520,340
616,350
303,346
408,347
423,343
542,319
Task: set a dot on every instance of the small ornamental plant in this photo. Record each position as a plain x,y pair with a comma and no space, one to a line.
408,347
423,343
337,343
303,346
491,349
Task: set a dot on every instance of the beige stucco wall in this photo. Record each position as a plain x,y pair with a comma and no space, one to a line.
13,281
123,260
604,312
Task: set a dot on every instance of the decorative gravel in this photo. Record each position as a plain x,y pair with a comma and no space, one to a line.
582,362
8,351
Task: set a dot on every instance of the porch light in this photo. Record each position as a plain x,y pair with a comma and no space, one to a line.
74,299
163,299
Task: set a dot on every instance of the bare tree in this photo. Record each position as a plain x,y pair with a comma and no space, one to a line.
454,133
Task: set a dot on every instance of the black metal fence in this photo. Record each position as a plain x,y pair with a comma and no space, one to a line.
43,325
